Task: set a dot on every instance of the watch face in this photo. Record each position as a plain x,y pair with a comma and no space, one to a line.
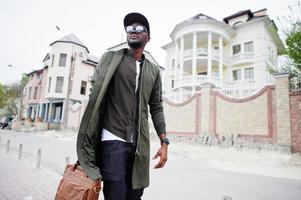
165,140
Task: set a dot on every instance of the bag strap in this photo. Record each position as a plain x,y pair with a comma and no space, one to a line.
75,165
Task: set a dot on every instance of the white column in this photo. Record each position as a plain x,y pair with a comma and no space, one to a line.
50,119
194,59
46,113
209,65
41,109
176,61
221,60
182,58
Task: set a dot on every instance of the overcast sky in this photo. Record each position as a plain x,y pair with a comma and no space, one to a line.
28,27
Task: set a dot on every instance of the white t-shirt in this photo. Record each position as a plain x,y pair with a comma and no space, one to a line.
107,135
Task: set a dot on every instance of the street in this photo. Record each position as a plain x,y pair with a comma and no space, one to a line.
182,178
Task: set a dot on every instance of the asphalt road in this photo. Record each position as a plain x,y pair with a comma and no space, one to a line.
181,179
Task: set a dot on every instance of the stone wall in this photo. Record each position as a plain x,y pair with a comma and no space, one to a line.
244,117
182,118
270,118
295,107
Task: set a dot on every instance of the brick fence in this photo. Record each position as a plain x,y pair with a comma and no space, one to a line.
271,116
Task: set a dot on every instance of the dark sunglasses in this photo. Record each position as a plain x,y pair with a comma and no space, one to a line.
135,29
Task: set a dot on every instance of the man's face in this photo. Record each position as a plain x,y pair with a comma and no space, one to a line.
137,36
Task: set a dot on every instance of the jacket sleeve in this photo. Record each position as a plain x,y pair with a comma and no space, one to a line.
87,139
156,107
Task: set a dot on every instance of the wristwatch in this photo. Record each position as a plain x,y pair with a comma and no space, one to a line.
165,140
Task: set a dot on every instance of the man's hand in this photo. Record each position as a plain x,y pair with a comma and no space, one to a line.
162,153
97,186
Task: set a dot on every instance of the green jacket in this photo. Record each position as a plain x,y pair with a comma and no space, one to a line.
88,140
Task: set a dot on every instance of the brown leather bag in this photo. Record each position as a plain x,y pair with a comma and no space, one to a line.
76,185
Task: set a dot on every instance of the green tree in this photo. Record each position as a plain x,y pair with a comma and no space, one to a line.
9,95
2,96
293,43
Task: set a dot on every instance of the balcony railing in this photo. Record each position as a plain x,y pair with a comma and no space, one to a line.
240,89
237,89
201,52
199,79
180,95
243,57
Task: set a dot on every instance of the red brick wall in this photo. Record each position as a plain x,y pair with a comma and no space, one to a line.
295,108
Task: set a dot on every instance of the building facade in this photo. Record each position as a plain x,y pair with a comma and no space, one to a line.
235,54
63,85
56,96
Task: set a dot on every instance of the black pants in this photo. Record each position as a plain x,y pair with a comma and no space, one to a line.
116,168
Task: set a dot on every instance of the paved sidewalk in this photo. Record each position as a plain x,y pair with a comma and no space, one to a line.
20,180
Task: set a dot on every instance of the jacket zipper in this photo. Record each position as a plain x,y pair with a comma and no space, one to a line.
140,95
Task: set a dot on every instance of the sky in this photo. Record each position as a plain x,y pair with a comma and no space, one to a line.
28,27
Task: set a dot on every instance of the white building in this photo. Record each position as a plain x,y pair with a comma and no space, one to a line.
234,54
57,95
67,72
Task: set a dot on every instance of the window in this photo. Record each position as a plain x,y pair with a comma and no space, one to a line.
236,74
59,84
63,58
249,73
29,92
49,84
83,88
52,60
172,83
249,47
236,49
35,94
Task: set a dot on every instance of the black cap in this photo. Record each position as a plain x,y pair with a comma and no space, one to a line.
136,18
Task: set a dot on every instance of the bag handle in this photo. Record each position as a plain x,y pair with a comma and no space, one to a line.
75,165
97,189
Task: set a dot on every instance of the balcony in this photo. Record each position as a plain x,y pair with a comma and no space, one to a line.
242,58
187,81
202,53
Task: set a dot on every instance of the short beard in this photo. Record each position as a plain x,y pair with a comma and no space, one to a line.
135,44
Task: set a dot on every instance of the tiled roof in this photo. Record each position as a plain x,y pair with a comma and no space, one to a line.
71,38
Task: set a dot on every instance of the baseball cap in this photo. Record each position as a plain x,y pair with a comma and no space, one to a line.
136,18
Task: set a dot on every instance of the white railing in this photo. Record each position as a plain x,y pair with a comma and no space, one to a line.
240,89
245,57
237,89
201,52
187,53
199,80
180,95
295,84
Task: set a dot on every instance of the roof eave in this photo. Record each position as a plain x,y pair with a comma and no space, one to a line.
71,43
185,23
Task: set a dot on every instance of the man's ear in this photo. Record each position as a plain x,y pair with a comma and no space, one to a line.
148,38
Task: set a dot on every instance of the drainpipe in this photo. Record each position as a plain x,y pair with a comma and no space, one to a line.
69,87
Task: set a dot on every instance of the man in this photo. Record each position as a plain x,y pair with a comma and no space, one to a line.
113,139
